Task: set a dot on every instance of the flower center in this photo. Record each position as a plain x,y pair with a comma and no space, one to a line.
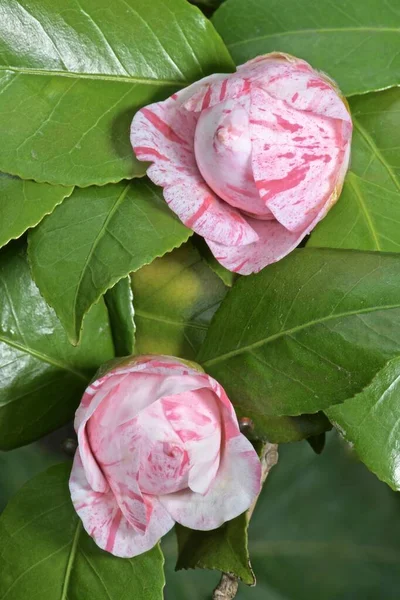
164,469
223,154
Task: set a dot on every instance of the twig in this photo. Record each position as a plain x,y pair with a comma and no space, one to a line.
229,584
227,588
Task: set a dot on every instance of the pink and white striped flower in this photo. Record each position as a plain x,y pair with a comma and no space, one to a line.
159,443
251,161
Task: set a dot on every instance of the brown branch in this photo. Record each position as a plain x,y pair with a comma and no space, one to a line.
229,584
227,588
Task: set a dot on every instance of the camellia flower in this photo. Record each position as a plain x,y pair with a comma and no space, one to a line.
250,161
159,443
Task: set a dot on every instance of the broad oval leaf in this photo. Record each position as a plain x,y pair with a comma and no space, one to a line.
45,552
23,204
310,331
119,302
94,239
174,299
370,421
367,215
356,43
42,375
72,75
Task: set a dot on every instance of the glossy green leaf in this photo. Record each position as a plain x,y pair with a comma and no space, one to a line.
323,529
95,238
309,331
72,75
42,375
23,204
367,215
119,301
370,421
174,299
45,553
356,43
224,549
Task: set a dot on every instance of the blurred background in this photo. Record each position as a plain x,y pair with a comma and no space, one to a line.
324,528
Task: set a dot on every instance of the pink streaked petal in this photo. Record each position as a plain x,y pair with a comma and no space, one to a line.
209,216
296,158
164,462
297,83
105,523
163,133
205,458
234,489
92,399
275,242
196,418
127,493
109,401
119,465
225,87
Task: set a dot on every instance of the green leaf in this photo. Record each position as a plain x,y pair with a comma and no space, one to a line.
175,298
367,215
42,375
370,421
356,43
95,238
224,549
72,75
44,551
19,465
23,204
323,529
281,430
119,301
226,276
307,332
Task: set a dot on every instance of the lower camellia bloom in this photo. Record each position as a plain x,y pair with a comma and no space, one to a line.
159,443
252,160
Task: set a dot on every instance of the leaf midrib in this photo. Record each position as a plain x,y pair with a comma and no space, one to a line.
96,76
42,357
70,562
352,182
308,31
375,151
151,317
95,244
283,333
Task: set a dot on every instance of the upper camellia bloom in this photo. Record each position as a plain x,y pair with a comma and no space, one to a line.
250,161
159,443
